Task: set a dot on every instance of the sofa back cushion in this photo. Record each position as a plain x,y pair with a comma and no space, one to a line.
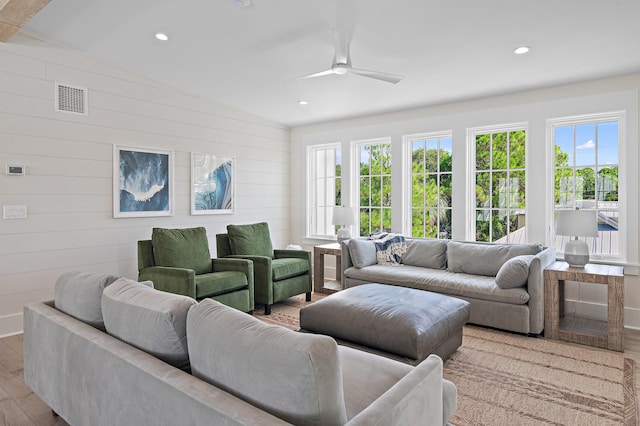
295,376
484,258
79,294
251,240
426,253
363,252
182,248
150,320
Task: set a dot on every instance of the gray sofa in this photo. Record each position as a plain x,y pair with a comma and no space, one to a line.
504,283
113,351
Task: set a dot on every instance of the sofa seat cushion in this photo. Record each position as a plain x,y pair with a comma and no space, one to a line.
294,376
216,283
440,281
366,377
288,267
150,320
79,294
182,248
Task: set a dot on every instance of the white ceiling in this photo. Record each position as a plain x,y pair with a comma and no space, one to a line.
447,50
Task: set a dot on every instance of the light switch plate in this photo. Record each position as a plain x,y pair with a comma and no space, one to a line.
14,212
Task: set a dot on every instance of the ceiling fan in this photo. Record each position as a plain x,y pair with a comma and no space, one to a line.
342,65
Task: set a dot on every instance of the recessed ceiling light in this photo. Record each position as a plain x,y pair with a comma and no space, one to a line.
521,50
303,102
241,3
162,36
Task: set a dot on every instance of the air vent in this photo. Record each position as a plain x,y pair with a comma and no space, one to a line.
71,99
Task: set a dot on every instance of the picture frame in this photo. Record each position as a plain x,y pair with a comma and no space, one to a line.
212,184
142,182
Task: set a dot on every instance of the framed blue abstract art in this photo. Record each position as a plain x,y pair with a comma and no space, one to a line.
212,184
142,182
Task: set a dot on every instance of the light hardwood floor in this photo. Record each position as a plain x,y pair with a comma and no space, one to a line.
21,407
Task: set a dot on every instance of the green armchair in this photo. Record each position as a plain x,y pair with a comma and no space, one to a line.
178,261
278,274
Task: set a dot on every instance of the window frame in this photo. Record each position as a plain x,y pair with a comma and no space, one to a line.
471,134
623,190
355,174
312,152
407,176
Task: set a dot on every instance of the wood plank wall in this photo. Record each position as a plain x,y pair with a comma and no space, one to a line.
68,183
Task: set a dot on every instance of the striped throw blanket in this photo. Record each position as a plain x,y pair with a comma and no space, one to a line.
389,247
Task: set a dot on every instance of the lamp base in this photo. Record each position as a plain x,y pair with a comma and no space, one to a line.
576,253
344,233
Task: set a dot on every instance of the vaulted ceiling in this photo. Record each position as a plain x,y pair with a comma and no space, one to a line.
446,50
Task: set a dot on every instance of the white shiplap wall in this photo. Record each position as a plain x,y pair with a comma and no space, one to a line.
68,158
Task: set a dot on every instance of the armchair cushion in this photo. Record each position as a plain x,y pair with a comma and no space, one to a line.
252,239
219,283
182,248
288,267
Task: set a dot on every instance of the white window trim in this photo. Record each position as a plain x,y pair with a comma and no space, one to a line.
470,222
355,174
311,190
621,117
407,151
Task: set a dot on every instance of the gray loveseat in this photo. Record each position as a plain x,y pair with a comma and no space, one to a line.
111,351
504,283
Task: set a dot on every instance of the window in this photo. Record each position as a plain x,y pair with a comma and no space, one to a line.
499,157
430,185
586,160
325,180
374,185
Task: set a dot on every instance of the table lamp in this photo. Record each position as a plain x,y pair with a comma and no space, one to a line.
343,216
577,223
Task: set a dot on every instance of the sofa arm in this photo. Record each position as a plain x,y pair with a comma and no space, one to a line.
173,280
415,399
535,288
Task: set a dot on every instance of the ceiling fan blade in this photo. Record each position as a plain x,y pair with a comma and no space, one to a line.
383,76
318,74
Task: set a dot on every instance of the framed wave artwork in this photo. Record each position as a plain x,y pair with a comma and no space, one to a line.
212,184
142,182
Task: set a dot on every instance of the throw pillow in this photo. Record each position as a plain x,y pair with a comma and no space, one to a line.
250,240
151,320
363,253
515,272
182,248
79,293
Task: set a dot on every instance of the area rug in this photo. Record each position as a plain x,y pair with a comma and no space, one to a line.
509,379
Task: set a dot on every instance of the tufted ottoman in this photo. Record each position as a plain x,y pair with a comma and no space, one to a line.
397,322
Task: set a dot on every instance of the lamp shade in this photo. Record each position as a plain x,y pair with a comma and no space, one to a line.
577,223
343,216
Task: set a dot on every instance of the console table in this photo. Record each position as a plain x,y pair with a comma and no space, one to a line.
604,334
319,284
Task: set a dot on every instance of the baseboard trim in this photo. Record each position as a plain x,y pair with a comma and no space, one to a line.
11,325
598,311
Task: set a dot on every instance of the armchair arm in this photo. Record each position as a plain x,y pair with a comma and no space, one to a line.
262,277
173,280
237,265
299,254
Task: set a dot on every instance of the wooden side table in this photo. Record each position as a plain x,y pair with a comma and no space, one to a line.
319,284
604,334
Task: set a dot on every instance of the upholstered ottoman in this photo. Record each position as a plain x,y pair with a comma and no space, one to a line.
397,322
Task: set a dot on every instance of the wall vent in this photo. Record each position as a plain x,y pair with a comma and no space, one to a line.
71,99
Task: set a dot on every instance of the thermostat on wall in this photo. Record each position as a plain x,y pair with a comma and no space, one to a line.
15,170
